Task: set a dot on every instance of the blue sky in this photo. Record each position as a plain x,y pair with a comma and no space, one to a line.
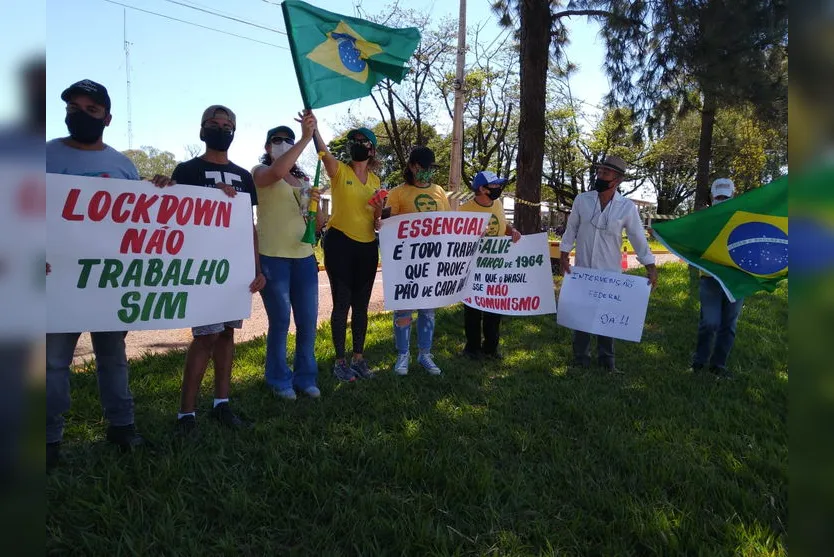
177,69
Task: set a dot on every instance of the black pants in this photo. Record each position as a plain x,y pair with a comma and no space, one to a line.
472,319
351,269
582,349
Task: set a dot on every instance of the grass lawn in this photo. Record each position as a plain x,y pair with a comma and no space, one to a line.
524,457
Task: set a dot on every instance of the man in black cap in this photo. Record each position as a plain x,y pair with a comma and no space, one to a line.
84,153
595,225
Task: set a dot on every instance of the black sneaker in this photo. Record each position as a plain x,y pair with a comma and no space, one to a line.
470,354
721,373
53,455
125,437
498,356
223,414
186,425
343,372
361,370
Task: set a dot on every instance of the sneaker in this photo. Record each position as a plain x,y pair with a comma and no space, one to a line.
470,354
428,364
361,370
721,373
53,455
343,372
223,414
497,356
125,437
312,392
186,425
286,394
401,366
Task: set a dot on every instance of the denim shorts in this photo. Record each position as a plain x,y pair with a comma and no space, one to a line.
216,328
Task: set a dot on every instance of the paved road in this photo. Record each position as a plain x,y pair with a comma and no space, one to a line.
142,342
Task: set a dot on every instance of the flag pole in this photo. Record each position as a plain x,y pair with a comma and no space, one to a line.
456,168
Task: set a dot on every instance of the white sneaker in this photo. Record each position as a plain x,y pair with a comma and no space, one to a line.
426,361
401,367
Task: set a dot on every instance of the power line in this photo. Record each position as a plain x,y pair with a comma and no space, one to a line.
195,24
231,18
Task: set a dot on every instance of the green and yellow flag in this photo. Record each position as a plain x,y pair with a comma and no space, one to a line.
742,242
339,58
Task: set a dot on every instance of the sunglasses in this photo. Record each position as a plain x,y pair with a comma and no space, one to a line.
276,140
365,142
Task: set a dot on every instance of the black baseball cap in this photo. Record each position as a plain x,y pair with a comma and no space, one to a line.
422,156
95,91
286,129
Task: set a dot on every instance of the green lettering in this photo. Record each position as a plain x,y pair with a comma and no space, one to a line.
86,267
146,309
185,281
154,272
133,273
205,273
171,303
172,275
112,269
222,271
131,315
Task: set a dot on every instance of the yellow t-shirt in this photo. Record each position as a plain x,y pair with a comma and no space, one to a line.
280,224
406,198
497,221
351,212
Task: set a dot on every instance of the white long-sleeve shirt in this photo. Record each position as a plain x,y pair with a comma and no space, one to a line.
598,235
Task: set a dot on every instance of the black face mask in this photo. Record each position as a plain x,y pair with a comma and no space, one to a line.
84,128
495,193
602,185
217,139
359,152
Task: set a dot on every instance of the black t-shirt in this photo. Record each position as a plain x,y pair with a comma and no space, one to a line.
199,172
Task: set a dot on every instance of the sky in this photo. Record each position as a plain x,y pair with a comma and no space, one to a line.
177,69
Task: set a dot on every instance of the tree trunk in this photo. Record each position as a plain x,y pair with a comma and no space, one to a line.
535,50
705,152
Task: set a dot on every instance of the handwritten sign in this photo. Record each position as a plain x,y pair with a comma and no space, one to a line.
512,279
128,256
426,257
604,303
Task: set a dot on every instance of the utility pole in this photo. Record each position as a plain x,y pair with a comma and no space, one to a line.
127,72
456,167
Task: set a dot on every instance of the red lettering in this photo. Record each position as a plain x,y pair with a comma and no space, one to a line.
157,241
142,205
119,215
459,226
132,240
173,244
402,230
69,206
427,223
99,205
185,210
438,224
204,211
224,214
448,226
167,209
473,228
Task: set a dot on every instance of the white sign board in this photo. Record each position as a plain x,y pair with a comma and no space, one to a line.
512,278
426,257
125,255
604,303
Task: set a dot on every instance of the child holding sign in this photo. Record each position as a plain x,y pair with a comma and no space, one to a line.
417,195
487,187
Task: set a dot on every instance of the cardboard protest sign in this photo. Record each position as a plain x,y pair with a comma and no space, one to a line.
128,256
512,279
604,303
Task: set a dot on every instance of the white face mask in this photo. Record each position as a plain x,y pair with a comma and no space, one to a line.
279,149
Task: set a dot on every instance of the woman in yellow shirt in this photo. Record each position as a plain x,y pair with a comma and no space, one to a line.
351,248
287,263
417,195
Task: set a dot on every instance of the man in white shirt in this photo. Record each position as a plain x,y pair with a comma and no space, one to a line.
595,226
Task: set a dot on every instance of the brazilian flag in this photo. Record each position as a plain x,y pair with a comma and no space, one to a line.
339,58
742,242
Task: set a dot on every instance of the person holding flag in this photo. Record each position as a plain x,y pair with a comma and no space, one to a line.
287,263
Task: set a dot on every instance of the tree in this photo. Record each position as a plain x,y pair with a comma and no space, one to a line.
150,161
728,52
193,150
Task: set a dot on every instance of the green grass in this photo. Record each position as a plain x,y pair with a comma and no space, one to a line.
519,458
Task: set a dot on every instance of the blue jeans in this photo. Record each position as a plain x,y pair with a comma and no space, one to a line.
291,283
111,368
402,329
718,324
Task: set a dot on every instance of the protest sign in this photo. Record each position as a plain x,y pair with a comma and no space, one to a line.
426,257
604,303
22,242
125,255
512,278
